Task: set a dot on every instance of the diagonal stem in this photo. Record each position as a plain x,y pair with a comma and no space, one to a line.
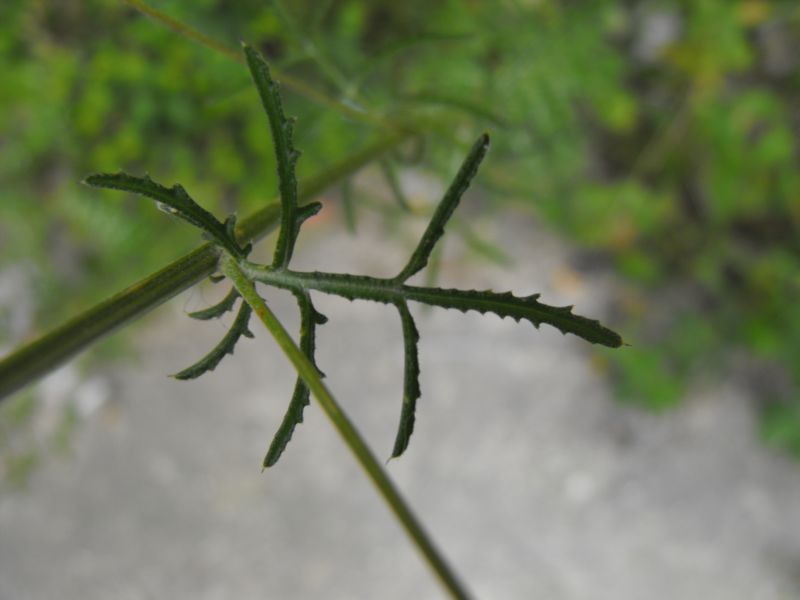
294,84
346,429
35,359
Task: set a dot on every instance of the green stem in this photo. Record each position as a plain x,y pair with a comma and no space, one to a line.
37,358
346,429
297,85
414,122
183,29
417,123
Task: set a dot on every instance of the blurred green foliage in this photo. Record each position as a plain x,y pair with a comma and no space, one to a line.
660,136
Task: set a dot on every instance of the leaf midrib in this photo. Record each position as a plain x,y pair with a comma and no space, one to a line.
390,291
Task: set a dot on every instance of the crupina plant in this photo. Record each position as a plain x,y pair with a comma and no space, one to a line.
243,274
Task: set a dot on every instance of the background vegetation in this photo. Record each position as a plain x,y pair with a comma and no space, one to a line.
660,137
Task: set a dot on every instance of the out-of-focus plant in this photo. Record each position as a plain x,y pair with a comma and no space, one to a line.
659,136
698,201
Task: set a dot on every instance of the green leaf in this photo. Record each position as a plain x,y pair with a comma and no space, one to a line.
174,201
446,207
219,309
390,291
518,308
285,154
309,319
210,361
411,391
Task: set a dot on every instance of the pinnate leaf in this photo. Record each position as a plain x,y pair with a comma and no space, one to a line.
390,291
394,290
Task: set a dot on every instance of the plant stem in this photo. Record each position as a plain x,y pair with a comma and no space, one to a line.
35,359
346,429
297,85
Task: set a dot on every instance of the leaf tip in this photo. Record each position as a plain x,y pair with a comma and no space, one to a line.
93,180
271,458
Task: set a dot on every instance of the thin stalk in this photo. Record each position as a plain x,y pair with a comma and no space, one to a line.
415,122
183,29
37,358
310,48
297,85
346,429
412,123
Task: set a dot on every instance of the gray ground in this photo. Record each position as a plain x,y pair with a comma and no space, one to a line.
530,477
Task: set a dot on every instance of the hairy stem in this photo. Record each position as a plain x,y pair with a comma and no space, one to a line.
308,372
32,361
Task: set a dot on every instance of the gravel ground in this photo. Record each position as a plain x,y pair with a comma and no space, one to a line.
531,478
